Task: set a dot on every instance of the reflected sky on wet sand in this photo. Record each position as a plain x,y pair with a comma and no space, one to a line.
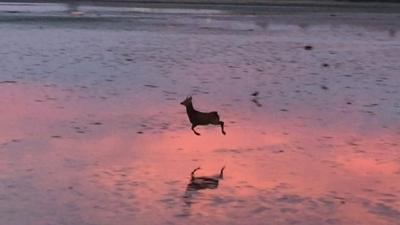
92,131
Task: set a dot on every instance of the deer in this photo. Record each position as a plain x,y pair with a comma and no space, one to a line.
201,118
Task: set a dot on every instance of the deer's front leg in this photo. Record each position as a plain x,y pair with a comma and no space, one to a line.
193,126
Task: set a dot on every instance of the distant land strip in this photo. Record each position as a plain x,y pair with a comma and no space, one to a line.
227,2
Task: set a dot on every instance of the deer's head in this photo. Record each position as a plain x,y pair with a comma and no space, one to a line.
187,101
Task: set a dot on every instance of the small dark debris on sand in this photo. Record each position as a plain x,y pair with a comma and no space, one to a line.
308,47
79,130
371,105
258,104
8,82
255,99
279,151
96,123
151,86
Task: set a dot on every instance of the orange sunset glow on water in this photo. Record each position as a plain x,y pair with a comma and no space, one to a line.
92,130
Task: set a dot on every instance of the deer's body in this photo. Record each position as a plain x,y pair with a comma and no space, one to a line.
201,118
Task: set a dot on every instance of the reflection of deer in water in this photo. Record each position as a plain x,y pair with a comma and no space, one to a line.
201,118
205,182
201,182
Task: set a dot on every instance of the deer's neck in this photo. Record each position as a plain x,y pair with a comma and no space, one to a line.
190,109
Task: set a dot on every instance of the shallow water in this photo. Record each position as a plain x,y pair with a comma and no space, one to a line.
92,131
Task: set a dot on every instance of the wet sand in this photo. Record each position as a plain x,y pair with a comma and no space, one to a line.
92,131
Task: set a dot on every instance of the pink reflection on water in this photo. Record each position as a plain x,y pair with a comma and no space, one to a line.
274,167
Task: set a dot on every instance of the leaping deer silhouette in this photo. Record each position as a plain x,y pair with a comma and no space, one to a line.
201,182
201,118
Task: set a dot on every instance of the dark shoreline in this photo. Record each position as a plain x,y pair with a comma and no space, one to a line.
241,6
225,2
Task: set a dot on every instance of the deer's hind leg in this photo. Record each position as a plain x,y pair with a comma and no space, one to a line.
193,126
222,127
219,122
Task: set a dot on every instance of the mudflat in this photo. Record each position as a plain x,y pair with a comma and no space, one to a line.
92,131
